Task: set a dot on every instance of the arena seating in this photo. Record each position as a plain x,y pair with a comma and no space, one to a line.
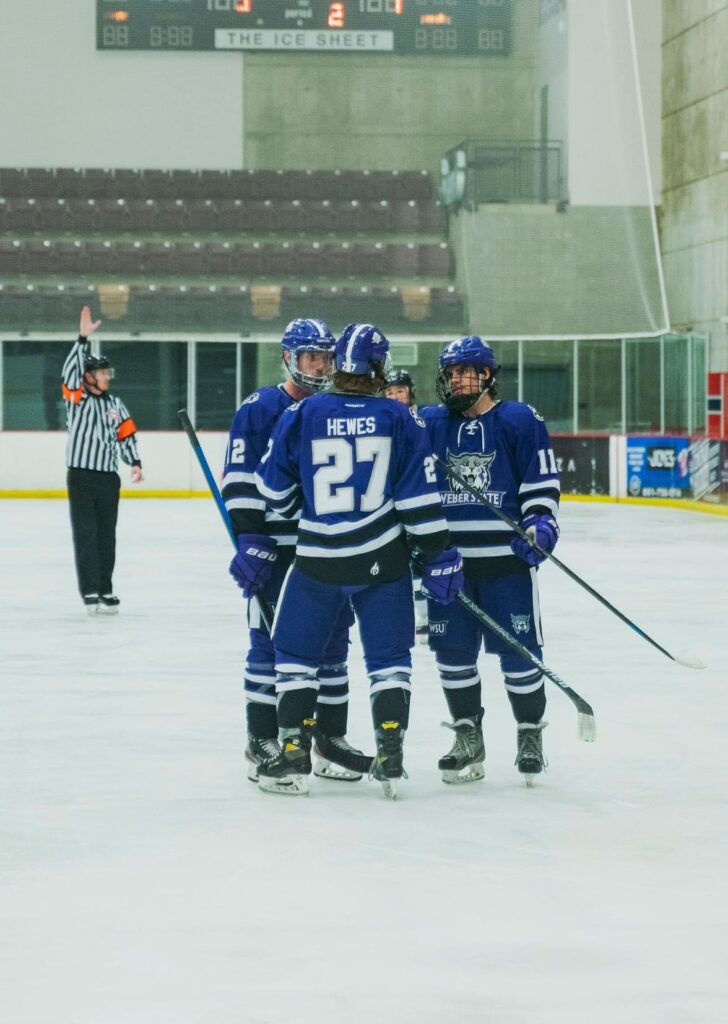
218,249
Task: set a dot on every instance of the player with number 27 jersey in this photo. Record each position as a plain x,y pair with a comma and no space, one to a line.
360,469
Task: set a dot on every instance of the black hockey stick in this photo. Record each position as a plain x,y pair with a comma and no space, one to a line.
518,529
344,758
586,723
266,611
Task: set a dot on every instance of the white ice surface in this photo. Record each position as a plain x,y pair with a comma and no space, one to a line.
144,880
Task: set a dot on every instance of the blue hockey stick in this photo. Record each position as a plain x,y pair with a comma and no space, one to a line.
266,612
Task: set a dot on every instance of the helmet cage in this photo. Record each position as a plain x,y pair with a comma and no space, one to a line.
462,402
308,381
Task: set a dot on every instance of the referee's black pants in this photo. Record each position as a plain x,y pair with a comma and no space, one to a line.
93,499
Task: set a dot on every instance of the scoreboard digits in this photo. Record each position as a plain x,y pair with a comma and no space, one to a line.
404,27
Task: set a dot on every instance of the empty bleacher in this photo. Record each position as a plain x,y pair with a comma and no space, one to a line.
224,249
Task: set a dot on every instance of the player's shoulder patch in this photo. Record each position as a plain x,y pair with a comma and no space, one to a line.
295,406
535,412
251,398
416,417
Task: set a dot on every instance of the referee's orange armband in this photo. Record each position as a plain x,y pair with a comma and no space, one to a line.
72,396
126,429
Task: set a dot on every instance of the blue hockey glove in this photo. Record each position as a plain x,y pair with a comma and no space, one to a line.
544,530
253,564
442,578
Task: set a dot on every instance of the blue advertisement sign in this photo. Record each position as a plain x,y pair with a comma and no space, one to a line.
658,467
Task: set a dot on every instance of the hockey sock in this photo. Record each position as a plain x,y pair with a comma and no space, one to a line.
262,720
332,706
332,719
295,705
463,702
528,707
391,706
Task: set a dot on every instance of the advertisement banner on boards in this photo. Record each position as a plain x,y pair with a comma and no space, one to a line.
583,463
706,469
658,467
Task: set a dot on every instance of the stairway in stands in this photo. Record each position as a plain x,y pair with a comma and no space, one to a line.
224,251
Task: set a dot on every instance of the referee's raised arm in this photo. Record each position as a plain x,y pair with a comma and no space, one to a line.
72,373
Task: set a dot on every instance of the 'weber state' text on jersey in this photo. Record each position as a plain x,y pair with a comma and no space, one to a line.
506,453
361,471
250,433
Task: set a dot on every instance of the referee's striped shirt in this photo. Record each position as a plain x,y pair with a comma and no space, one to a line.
99,426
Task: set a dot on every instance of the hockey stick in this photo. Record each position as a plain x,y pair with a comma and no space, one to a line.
587,729
344,758
518,529
266,612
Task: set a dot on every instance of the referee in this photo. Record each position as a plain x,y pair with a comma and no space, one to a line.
99,427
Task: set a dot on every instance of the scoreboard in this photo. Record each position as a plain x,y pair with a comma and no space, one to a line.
409,27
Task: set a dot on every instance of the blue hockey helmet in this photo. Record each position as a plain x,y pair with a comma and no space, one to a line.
473,352
362,349
307,335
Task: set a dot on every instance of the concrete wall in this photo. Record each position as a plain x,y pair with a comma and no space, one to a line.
606,154
66,105
362,111
531,271
695,168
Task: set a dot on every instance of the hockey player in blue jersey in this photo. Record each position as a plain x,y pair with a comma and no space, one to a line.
307,349
503,449
360,469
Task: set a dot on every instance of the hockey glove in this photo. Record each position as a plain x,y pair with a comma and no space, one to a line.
252,566
544,530
442,578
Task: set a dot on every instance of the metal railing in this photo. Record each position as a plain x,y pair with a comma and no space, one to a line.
478,171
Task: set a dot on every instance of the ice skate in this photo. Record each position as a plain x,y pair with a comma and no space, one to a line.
529,758
91,603
387,765
288,771
108,604
464,761
325,769
258,750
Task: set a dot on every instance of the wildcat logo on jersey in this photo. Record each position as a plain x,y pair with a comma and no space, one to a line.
473,467
521,623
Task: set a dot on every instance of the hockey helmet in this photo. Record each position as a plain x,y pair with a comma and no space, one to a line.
307,335
362,349
401,379
468,351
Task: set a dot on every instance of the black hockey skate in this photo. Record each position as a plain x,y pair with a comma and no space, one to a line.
288,771
91,602
529,759
464,761
108,604
387,765
259,750
324,768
